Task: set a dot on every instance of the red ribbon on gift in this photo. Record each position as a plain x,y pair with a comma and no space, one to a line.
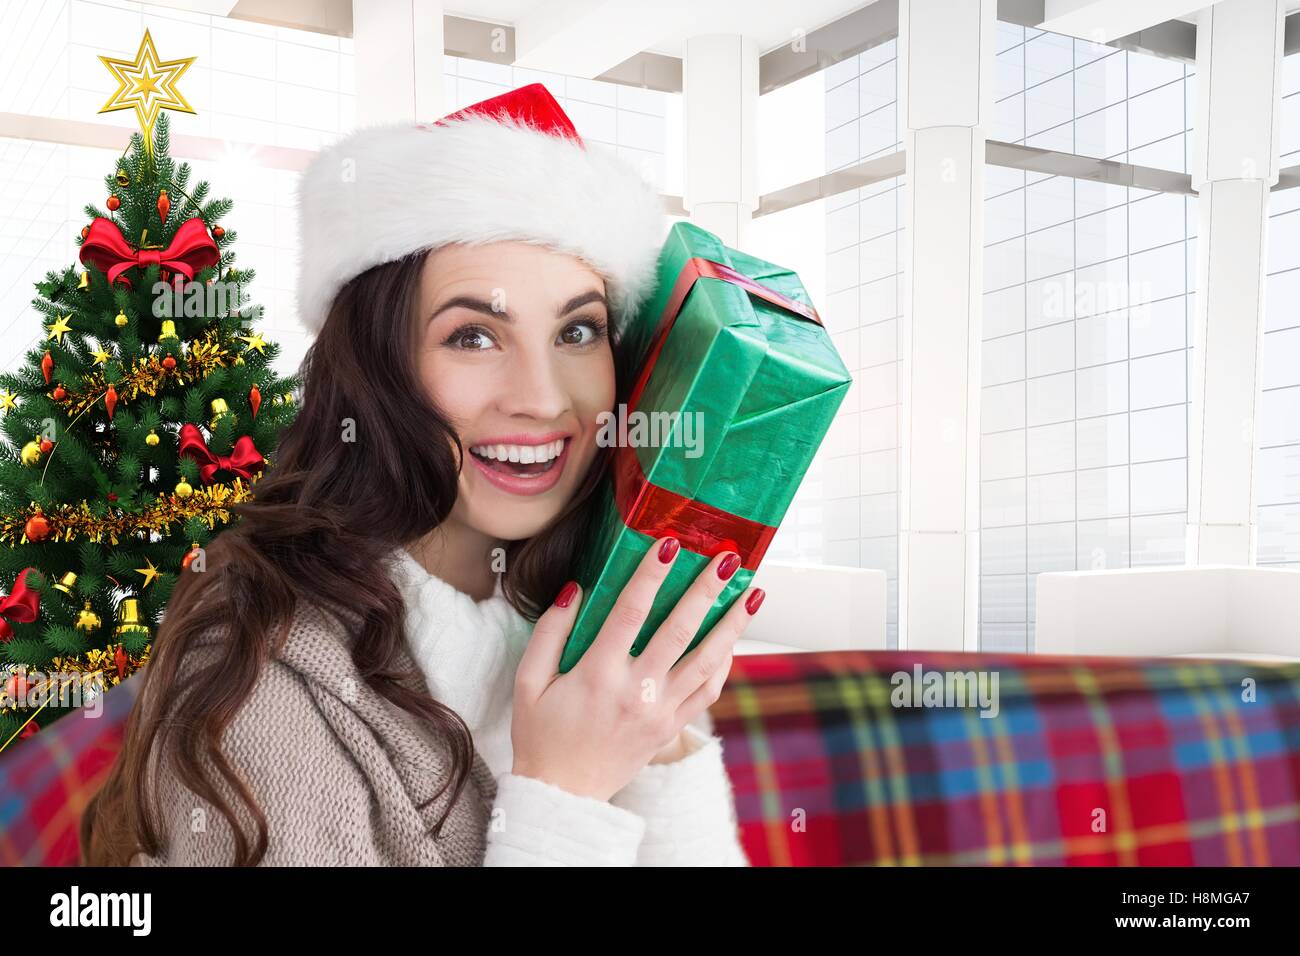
190,251
21,606
243,458
655,511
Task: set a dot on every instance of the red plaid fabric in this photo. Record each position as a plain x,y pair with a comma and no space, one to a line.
1088,761
47,780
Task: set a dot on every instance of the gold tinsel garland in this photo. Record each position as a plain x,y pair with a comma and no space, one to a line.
212,503
96,670
147,375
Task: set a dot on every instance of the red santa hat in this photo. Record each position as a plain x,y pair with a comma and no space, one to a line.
512,167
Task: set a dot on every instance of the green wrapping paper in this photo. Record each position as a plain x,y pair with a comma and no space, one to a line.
756,387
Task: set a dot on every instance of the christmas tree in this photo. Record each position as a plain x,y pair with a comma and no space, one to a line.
146,411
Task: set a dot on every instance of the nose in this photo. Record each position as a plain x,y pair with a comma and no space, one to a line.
534,385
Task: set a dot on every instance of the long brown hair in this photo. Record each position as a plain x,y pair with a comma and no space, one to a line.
322,524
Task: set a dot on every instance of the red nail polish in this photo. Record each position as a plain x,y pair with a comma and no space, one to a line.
755,600
566,595
668,550
727,567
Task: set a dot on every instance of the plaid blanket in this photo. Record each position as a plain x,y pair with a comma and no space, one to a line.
47,780
1088,761
838,759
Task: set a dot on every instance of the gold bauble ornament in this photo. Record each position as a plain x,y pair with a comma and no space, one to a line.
121,320
128,617
87,620
183,489
67,583
31,454
219,411
151,439
168,332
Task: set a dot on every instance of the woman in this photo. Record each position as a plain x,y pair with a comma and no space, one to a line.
355,678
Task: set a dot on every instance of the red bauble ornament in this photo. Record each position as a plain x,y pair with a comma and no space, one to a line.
254,399
47,366
29,729
120,660
169,363
37,528
189,559
59,393
217,232
164,205
46,445
16,687
110,401
85,231
111,496
113,203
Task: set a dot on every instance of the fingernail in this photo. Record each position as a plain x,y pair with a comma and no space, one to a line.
566,595
727,566
668,549
755,599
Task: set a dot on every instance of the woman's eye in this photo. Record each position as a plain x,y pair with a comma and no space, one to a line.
583,332
471,338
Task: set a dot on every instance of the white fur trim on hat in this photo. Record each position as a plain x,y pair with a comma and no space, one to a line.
384,192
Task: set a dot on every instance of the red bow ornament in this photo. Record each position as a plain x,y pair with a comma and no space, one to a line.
190,251
242,460
21,606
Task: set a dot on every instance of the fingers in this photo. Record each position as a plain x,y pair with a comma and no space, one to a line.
619,631
681,625
540,663
697,678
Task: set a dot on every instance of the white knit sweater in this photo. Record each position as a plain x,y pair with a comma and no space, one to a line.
680,813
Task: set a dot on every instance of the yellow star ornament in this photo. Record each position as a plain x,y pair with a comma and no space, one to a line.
58,328
7,402
255,341
101,357
146,85
149,573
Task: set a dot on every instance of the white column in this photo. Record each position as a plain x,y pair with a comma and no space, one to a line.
1238,71
397,55
945,50
719,110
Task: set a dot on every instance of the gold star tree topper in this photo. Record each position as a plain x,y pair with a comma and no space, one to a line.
147,85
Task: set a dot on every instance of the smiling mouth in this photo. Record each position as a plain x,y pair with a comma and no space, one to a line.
520,461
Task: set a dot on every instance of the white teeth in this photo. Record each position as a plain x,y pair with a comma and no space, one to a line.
523,454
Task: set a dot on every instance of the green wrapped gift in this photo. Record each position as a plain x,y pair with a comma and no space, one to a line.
737,389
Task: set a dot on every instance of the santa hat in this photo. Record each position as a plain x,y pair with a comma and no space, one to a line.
512,167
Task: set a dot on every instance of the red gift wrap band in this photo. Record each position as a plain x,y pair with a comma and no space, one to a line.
655,511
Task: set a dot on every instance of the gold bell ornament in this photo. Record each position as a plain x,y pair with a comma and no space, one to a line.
168,332
219,411
67,583
128,620
87,620
84,282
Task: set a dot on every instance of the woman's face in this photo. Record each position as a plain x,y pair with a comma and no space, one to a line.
514,350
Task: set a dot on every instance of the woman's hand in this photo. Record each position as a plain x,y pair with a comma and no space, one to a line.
590,731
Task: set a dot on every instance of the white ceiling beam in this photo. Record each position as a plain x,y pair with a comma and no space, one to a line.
1102,21
216,8
586,38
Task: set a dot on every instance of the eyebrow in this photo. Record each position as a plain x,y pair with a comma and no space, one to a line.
485,306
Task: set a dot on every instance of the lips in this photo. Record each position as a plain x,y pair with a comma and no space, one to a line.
522,465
